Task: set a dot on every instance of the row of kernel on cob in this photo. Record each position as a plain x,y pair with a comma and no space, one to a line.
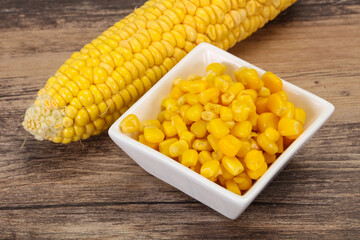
227,131
98,83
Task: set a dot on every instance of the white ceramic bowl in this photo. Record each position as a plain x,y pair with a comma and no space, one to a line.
193,184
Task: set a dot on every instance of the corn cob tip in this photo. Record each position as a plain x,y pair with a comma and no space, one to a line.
42,121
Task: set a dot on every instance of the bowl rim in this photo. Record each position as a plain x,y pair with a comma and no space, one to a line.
274,169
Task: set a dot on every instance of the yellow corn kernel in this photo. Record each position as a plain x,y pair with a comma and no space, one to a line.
161,116
169,129
272,82
204,156
170,104
85,97
164,146
199,129
215,69
248,77
267,120
236,88
282,94
130,124
277,104
264,92
182,100
300,115
210,168
218,128
261,105
226,114
68,132
243,181
254,159
221,84
212,107
229,145
187,136
233,187
280,144
148,123
177,148
176,92
225,174
90,128
197,86
179,124
227,98
289,127
79,130
245,147
209,95
183,110
201,145
290,111
232,165
99,124
240,111
146,82
168,115
149,144
256,174
208,116
213,142
242,129
189,158
191,78
178,81
68,122
184,85
76,103
269,158
254,144
267,144
250,92
272,134
230,124
217,155
247,100
93,112
153,134
192,99
194,112
82,117
65,94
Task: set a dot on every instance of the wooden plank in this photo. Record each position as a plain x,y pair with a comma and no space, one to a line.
178,221
52,191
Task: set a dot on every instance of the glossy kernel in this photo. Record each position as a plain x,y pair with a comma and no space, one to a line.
153,134
130,124
229,145
210,168
189,158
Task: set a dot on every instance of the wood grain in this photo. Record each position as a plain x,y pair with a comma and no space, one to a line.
52,191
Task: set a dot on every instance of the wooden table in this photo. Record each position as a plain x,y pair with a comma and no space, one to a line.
54,191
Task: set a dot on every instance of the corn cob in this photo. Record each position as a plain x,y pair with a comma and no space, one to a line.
101,81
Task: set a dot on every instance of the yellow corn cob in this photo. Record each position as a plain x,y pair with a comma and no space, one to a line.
98,83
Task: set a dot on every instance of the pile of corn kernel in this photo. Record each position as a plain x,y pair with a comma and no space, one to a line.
227,131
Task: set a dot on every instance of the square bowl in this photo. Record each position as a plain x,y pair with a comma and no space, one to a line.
193,184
